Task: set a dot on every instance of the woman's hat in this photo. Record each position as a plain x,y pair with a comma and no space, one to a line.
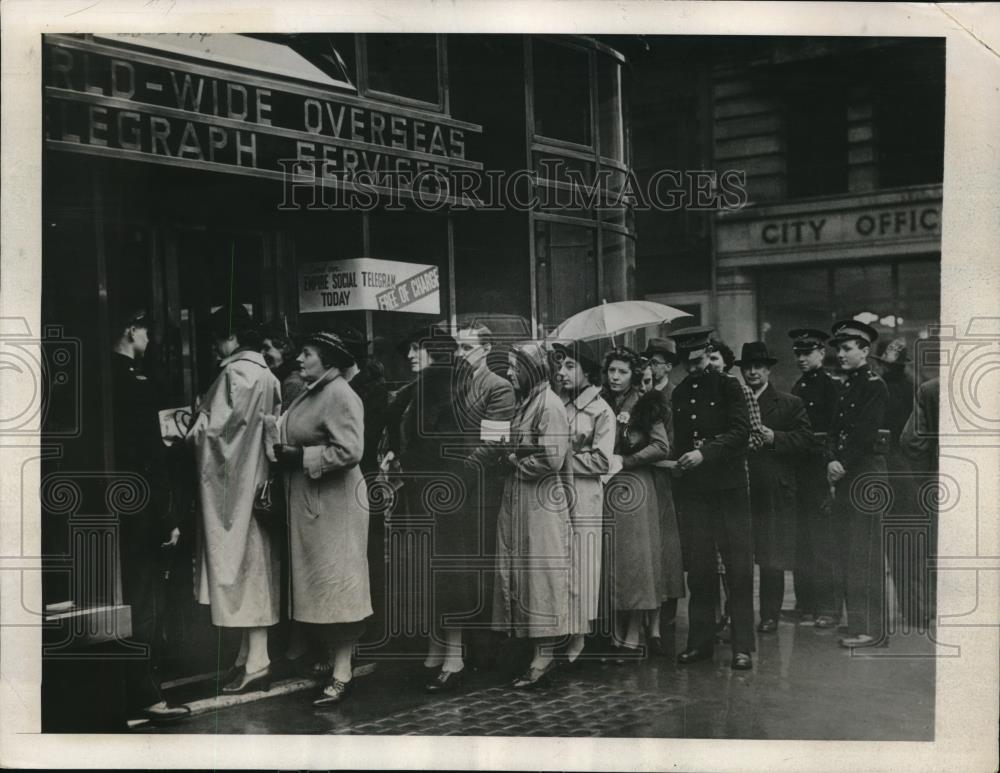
755,351
664,347
894,353
581,351
329,341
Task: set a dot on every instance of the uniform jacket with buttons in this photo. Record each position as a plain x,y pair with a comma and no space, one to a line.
818,392
710,414
858,415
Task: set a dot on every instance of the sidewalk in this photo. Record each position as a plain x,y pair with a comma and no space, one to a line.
803,686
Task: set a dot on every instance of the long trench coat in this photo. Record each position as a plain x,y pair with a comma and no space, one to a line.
773,486
592,444
327,502
531,593
237,564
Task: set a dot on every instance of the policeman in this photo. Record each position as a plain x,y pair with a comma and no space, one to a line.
856,470
711,432
814,549
139,449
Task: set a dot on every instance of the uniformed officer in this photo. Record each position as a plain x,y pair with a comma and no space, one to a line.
139,449
815,548
856,470
711,431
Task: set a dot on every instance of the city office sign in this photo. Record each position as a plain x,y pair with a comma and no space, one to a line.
117,102
369,284
823,228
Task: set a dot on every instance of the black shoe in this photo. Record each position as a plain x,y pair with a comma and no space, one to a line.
656,646
742,661
535,677
694,654
334,693
166,714
770,625
259,680
445,681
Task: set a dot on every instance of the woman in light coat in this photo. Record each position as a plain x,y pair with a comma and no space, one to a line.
592,445
237,564
531,595
322,440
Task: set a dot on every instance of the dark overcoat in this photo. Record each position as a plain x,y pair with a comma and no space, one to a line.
773,501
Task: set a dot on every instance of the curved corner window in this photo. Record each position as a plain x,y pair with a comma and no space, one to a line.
561,76
404,66
609,108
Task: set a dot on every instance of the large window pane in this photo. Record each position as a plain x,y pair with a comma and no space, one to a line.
562,92
609,107
567,270
404,65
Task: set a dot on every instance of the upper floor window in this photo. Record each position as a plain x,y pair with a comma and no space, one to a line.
404,65
815,132
561,76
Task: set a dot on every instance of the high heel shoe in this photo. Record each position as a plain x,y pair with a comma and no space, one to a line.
535,677
258,680
334,693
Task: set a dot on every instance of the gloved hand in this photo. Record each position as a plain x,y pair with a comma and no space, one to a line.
288,456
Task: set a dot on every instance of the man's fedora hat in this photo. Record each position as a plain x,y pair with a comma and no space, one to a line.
664,347
755,351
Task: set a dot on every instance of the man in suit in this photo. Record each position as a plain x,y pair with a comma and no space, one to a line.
856,469
662,356
711,430
484,404
787,435
814,546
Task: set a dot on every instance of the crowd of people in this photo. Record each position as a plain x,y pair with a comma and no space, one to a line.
573,494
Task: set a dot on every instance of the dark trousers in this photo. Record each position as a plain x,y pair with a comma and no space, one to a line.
859,523
772,591
816,557
143,590
718,518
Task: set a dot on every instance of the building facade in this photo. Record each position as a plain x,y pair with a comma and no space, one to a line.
841,142
182,172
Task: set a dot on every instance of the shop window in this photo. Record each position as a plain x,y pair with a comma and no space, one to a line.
561,76
815,134
567,270
609,108
909,117
404,65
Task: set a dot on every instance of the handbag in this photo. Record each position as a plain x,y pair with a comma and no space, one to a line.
263,504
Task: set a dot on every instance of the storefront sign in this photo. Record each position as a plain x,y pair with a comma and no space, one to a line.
908,220
369,284
110,101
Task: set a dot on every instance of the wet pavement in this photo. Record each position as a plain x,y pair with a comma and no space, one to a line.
803,686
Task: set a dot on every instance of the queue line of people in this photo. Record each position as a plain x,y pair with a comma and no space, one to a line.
594,483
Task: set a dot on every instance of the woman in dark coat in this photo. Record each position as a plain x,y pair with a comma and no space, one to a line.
632,507
421,424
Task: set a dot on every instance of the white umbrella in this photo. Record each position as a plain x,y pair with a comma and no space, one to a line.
610,319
